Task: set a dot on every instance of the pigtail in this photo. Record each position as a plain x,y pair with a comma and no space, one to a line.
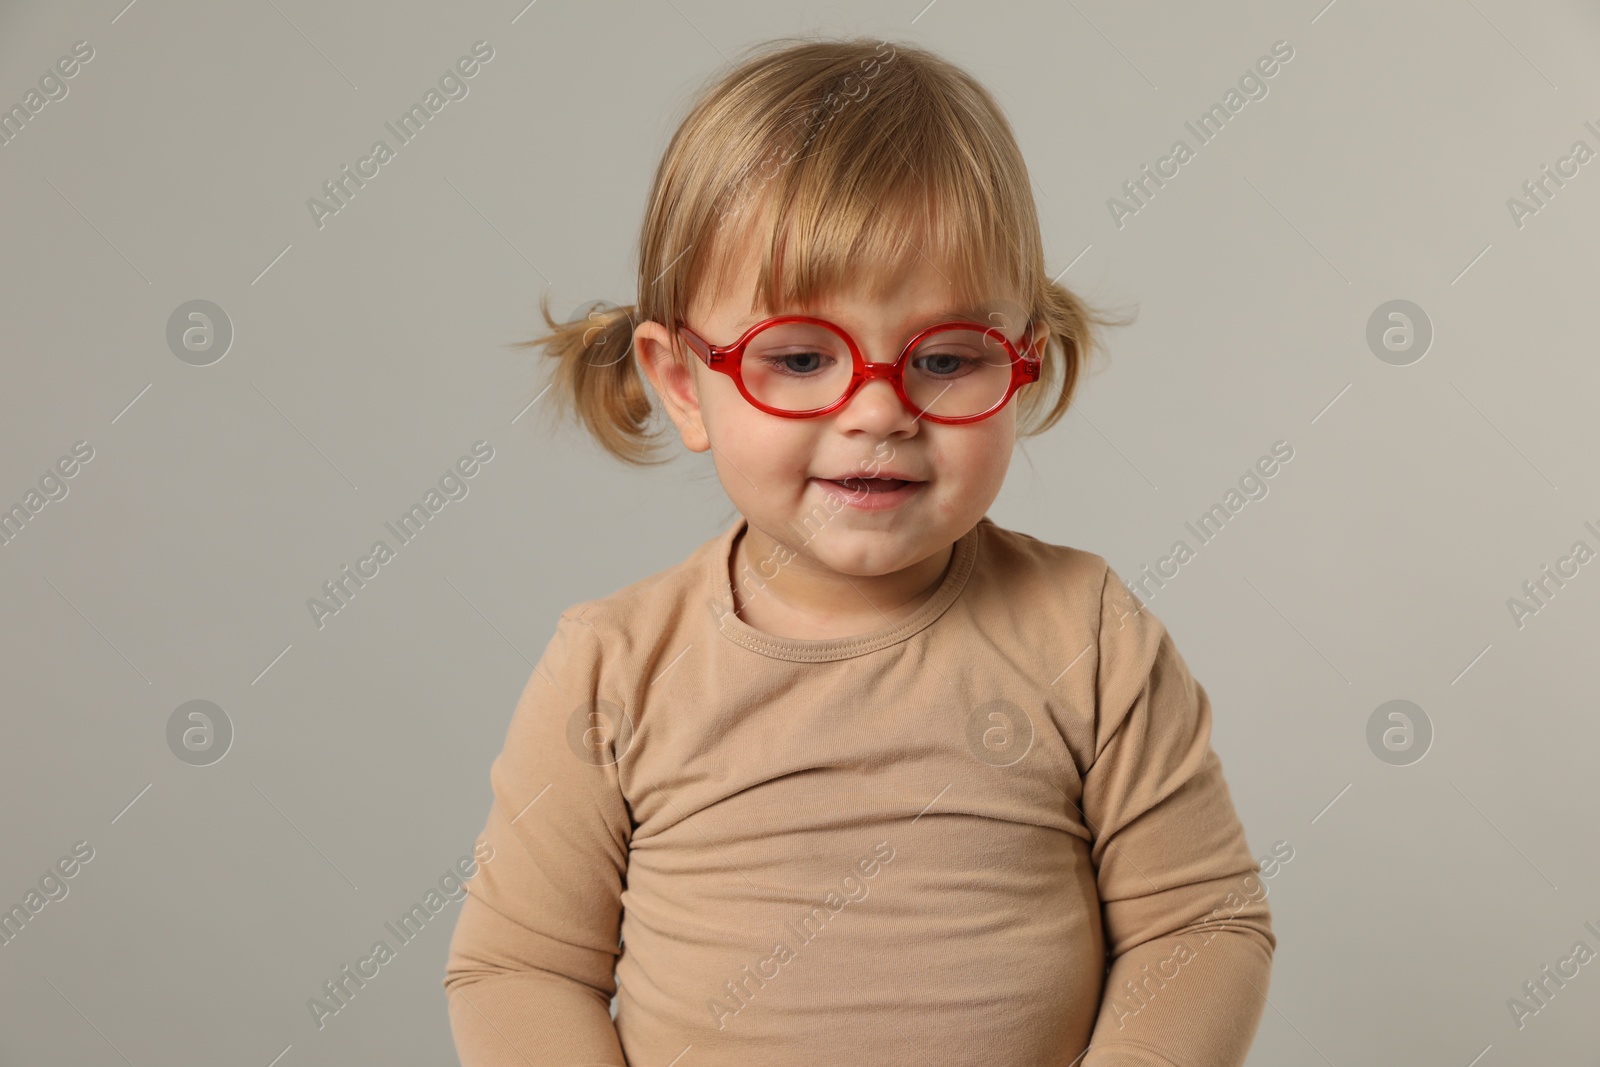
1076,335
595,379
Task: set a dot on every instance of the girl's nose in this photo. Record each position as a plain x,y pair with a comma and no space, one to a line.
877,407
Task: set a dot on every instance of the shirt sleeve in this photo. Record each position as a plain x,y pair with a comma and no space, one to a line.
531,967
1189,938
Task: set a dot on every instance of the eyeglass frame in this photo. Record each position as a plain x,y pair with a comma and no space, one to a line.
729,359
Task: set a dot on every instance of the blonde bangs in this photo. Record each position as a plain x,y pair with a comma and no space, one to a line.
814,243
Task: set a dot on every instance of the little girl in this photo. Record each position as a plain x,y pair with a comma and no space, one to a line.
867,778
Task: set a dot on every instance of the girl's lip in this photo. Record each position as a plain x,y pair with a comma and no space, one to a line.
890,477
856,483
867,500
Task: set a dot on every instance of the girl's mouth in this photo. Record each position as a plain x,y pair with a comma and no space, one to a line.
871,494
871,485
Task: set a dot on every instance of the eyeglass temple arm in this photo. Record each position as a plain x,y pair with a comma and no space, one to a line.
695,342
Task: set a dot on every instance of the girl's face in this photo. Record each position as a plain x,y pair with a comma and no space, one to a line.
782,473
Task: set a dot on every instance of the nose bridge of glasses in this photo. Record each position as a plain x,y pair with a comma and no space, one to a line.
886,373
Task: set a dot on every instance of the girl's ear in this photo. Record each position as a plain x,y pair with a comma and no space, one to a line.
1038,339
672,375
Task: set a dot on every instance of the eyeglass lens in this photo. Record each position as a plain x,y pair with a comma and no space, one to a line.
800,367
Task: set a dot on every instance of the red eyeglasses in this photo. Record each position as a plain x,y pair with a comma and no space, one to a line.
800,367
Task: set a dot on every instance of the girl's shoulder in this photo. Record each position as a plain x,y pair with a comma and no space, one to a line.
1021,562
650,610
1063,583
1068,609
1049,554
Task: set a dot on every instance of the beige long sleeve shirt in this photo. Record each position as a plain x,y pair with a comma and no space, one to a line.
992,833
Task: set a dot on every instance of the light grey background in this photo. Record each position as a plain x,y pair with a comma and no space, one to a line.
371,353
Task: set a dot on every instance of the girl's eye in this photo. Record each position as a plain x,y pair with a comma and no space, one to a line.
948,364
795,364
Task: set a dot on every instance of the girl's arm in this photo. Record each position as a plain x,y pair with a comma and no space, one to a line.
1188,931
530,973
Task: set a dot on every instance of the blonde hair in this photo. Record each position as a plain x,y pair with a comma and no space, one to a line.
849,157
